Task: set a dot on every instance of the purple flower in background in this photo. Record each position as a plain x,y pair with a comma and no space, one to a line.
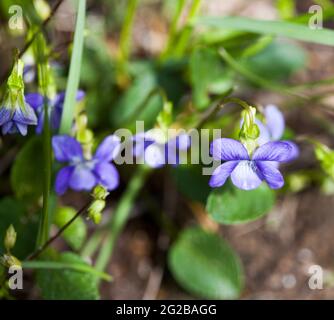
36,101
273,127
85,174
16,114
248,172
155,153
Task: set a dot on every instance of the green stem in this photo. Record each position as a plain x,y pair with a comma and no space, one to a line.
92,244
45,84
186,32
256,79
219,105
53,265
125,38
121,216
173,29
44,227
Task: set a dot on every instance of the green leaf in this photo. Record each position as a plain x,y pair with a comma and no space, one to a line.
279,28
75,67
191,182
75,234
230,205
13,212
205,265
27,171
66,284
208,76
139,102
286,8
288,59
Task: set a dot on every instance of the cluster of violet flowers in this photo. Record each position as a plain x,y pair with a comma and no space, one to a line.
247,167
18,111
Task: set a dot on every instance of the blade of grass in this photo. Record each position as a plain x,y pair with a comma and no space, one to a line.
256,79
125,38
75,67
63,265
183,41
272,27
173,29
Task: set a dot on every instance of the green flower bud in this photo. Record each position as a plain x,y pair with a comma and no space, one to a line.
100,192
10,238
249,131
95,209
96,217
165,117
8,261
15,80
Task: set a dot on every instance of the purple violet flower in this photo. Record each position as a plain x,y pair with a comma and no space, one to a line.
156,154
273,127
248,172
36,101
15,112
16,115
85,174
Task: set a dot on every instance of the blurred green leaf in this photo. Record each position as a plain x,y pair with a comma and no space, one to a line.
139,102
208,76
272,27
286,8
13,212
191,182
230,205
205,265
287,58
67,284
27,171
75,234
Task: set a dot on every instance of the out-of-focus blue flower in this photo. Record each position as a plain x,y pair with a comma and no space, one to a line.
85,174
273,127
248,172
155,152
15,113
36,101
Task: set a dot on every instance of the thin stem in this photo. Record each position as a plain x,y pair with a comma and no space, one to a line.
32,39
219,105
43,233
125,38
35,254
186,32
121,216
92,244
173,28
254,78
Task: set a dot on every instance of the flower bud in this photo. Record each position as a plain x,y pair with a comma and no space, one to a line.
96,217
95,209
249,131
100,192
10,238
165,117
8,261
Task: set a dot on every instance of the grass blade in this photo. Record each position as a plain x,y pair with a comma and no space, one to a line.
75,67
279,28
63,265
